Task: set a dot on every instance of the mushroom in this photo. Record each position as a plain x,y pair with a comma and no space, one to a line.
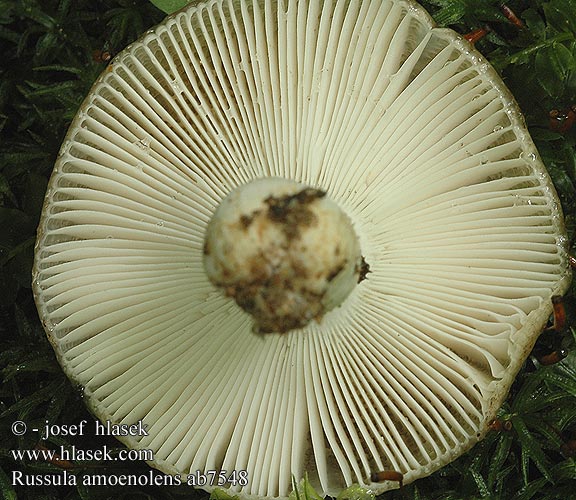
299,237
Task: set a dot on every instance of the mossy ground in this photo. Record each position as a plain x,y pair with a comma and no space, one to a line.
52,50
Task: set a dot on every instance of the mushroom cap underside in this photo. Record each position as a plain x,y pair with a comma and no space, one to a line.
410,131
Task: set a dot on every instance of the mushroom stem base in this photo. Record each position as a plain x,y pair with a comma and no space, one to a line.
284,252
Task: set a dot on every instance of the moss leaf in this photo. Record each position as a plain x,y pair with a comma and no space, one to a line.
170,6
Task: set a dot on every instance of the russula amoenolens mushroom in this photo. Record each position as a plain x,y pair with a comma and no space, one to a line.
202,259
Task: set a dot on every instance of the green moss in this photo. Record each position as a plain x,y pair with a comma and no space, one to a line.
53,51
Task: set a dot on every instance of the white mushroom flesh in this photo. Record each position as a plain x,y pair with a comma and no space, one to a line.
283,251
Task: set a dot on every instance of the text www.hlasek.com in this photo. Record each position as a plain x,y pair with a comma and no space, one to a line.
68,457
74,454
